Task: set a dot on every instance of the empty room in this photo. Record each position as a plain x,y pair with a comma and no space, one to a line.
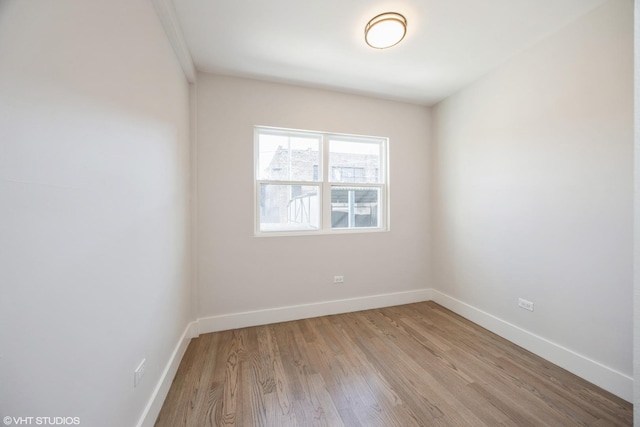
338,213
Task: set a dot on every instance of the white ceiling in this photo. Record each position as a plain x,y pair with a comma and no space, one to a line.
320,43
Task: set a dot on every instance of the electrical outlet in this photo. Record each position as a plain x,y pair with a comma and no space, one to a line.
338,279
523,303
139,372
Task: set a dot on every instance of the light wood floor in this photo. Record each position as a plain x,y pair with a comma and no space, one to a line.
410,365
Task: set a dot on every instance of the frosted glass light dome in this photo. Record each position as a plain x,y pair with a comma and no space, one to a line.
385,30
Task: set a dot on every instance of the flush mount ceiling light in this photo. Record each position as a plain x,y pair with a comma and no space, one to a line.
385,30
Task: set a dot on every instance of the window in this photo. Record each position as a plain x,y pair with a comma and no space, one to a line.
313,182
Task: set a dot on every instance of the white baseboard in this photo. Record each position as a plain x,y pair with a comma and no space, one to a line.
305,311
151,411
613,381
263,317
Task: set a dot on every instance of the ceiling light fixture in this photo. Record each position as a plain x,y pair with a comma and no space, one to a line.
385,30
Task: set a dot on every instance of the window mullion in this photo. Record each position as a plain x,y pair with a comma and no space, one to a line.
283,182
326,186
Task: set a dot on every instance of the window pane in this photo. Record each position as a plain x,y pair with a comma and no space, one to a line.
354,161
289,207
288,157
354,207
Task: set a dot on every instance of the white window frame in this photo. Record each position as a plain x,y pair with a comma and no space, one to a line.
325,184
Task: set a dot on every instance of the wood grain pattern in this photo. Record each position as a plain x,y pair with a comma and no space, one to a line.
411,365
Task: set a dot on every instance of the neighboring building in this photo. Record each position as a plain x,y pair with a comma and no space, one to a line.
298,204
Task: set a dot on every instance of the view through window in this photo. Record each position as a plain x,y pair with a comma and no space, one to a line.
319,182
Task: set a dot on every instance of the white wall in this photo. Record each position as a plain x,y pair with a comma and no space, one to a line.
533,189
636,257
93,208
239,272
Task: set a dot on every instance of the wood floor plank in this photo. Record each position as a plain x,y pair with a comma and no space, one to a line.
253,381
412,365
282,409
